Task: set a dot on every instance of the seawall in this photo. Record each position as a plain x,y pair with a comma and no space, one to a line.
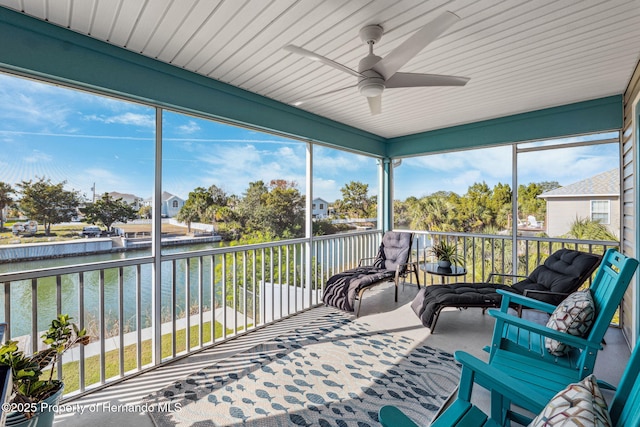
37,251
30,251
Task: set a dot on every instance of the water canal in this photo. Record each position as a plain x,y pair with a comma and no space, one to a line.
22,293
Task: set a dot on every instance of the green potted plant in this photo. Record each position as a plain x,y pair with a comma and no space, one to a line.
446,253
35,391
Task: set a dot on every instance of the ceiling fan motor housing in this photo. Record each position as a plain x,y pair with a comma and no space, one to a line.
372,84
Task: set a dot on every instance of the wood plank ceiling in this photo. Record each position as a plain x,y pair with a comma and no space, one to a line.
520,55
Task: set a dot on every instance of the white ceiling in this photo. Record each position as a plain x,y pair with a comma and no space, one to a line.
521,55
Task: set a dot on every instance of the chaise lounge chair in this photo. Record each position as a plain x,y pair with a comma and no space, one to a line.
390,265
562,273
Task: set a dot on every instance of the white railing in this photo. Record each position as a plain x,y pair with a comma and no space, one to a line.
210,296
206,296
485,254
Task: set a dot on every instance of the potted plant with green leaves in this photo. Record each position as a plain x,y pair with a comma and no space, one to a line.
446,253
35,392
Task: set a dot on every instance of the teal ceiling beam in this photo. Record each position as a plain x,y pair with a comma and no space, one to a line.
596,115
32,47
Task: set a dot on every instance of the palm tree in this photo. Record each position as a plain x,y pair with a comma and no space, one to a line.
188,214
587,229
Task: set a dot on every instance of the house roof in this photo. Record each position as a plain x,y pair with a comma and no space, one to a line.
604,184
167,196
521,55
124,196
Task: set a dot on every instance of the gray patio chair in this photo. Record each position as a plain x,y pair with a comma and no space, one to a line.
392,264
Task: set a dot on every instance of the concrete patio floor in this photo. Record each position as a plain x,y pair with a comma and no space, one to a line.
467,330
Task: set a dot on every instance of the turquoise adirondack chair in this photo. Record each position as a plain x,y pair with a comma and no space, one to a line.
623,409
518,345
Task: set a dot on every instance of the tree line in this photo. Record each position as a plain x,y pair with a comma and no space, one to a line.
480,209
49,203
275,210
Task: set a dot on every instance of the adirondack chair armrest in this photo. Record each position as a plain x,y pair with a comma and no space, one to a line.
571,340
390,416
510,298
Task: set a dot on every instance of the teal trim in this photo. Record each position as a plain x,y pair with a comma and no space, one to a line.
37,48
573,119
387,202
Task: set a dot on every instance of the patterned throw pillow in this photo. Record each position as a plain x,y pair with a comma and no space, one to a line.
580,404
574,315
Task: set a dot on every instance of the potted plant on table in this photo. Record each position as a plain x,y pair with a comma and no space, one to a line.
446,253
35,391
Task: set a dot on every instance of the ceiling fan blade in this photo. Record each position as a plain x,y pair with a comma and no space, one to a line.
375,104
320,95
420,80
402,54
315,57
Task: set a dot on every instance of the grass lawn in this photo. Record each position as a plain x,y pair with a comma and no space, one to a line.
58,233
71,370
64,232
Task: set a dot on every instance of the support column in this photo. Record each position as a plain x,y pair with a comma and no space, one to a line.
385,195
308,274
156,248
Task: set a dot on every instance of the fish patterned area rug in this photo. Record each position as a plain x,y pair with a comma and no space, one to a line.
330,372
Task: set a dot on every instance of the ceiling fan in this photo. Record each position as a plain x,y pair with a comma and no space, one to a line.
375,74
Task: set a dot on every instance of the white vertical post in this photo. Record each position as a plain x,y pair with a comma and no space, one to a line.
308,253
156,248
514,208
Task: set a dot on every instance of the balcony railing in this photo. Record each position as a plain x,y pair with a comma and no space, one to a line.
485,254
209,296
206,297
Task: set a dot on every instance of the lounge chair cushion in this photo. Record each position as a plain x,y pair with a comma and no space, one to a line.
580,404
558,274
574,315
431,299
394,250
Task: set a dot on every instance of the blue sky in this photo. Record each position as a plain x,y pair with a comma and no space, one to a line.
67,135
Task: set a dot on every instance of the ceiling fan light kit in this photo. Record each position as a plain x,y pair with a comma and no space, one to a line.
375,73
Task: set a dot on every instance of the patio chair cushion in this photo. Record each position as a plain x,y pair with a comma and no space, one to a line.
574,315
580,404
394,250
430,300
558,274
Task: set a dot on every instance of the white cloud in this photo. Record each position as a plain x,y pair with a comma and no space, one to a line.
128,118
37,156
233,166
457,171
327,189
189,128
